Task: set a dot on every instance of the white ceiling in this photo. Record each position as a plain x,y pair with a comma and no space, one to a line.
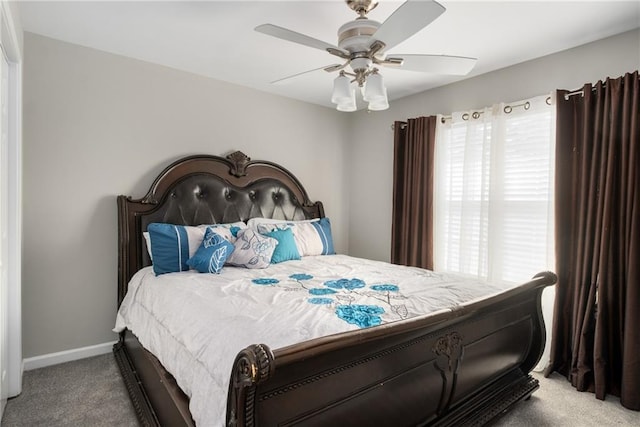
216,38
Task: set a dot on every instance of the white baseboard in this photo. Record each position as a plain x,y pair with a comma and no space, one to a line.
67,356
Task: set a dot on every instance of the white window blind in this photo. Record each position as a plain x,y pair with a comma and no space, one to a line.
494,191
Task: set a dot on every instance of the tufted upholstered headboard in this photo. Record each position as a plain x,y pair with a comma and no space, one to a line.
205,189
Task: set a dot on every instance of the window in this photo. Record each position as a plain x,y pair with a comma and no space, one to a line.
494,192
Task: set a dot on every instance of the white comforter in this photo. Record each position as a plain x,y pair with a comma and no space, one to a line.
196,323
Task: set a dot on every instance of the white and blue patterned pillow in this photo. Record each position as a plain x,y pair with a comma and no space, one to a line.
315,238
311,237
212,253
229,231
252,250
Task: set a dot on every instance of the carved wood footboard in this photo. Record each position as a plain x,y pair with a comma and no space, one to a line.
462,367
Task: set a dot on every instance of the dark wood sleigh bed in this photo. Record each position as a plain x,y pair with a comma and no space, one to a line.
466,366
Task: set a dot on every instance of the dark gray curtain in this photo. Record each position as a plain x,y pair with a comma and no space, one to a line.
412,222
596,329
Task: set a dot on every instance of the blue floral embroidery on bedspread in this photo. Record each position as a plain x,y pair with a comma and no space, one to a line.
349,284
320,301
361,315
321,291
385,287
301,276
265,281
342,297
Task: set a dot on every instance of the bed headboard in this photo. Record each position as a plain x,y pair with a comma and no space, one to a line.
205,189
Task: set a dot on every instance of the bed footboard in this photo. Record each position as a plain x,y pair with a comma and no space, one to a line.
458,367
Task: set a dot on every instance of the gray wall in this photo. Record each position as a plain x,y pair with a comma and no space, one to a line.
371,150
97,125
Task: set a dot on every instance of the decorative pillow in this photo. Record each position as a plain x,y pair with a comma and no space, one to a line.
229,231
172,245
212,253
286,249
311,237
256,222
252,250
315,238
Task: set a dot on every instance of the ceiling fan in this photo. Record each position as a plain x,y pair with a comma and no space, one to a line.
362,45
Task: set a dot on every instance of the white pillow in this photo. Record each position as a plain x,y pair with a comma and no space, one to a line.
255,222
147,241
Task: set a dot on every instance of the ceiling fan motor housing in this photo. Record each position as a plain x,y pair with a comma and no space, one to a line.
355,36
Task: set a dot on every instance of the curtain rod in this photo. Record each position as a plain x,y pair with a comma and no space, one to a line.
581,91
476,114
507,109
572,93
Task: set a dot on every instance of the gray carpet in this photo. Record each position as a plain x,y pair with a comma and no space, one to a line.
557,403
89,392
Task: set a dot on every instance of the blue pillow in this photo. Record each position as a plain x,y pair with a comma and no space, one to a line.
286,249
172,245
212,253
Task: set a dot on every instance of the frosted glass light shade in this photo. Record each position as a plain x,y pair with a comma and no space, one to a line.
374,89
346,107
341,90
350,104
380,103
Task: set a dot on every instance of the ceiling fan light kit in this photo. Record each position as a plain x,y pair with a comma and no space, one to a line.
362,43
371,87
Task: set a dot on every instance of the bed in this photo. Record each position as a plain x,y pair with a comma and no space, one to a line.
460,364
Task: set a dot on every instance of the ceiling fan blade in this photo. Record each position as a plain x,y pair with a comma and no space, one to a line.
437,64
408,19
329,68
292,36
